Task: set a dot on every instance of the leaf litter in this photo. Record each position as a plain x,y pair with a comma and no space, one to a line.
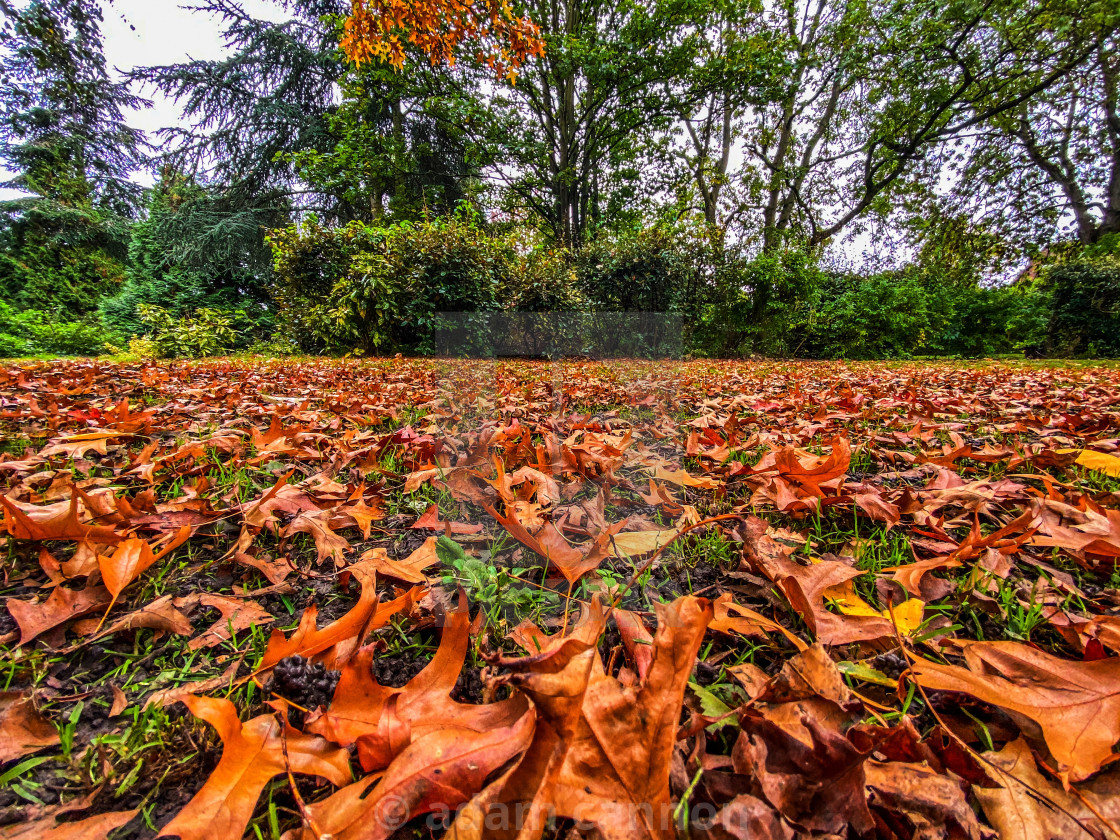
429,598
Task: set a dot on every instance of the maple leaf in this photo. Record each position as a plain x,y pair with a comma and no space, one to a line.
1077,704
253,753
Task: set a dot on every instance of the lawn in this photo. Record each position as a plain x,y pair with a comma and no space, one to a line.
300,599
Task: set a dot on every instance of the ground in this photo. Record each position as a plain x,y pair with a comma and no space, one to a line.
762,582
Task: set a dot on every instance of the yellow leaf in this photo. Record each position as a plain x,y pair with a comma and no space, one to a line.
907,616
633,543
682,478
1101,462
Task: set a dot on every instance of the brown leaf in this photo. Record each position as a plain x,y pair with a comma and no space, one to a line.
160,615
745,818
237,614
437,773
91,828
430,520
601,751
308,640
1077,704
383,720
410,570
132,558
817,786
62,605
252,754
53,522
1017,814
929,800
730,617
23,729
328,544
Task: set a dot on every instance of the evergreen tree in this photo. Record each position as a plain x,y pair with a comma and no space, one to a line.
63,132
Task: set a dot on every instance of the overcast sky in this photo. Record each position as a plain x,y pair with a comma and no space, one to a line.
140,33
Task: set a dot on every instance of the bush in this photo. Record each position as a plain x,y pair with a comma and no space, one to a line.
881,316
1085,314
30,332
377,289
649,270
755,305
209,333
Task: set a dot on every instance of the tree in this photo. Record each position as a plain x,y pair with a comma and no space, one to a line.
1050,169
380,30
401,144
862,100
578,119
166,268
63,131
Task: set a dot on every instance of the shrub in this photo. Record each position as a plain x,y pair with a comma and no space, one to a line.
32,331
209,333
755,305
1085,314
888,315
367,288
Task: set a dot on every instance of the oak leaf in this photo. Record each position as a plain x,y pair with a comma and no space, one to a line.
253,753
23,729
1077,704
601,751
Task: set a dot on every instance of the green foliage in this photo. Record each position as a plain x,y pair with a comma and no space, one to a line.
209,332
169,267
648,270
63,134
31,331
372,288
882,316
1085,318
757,305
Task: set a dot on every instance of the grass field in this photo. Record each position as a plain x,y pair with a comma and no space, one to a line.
920,559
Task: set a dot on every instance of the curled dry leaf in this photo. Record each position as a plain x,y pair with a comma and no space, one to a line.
23,729
308,640
601,751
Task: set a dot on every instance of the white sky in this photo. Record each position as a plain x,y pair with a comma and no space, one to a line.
141,33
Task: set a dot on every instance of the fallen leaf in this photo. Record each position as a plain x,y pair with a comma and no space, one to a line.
1017,814
23,729
62,605
253,753
1100,461
91,828
1077,704
601,750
